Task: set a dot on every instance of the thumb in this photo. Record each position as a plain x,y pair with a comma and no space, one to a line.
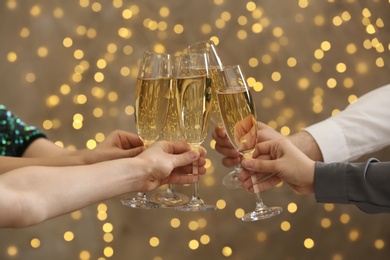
257,165
185,158
135,151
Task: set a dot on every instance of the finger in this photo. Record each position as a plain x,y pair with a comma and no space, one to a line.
244,175
187,169
270,183
261,166
179,147
265,185
127,139
224,142
247,183
176,147
135,151
231,161
227,151
202,151
262,148
218,133
180,179
261,125
185,158
201,161
220,137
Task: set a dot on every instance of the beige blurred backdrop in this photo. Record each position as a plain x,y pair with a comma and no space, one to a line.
69,68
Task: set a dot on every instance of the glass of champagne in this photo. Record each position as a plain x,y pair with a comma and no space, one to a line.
151,107
239,117
171,132
208,47
193,96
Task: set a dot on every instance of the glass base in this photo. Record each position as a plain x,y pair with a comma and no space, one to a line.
263,213
196,205
139,203
230,181
168,200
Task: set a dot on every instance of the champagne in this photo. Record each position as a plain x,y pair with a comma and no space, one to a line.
172,130
215,81
239,117
194,105
151,106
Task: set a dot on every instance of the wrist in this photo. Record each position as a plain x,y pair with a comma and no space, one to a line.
305,142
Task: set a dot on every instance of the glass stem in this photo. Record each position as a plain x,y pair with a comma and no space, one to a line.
169,192
259,201
195,195
142,195
237,171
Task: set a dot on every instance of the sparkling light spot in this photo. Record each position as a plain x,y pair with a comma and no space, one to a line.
84,255
308,243
261,236
353,235
108,251
205,239
285,226
108,227
12,250
154,241
227,251
193,244
35,243
175,222
68,236
379,244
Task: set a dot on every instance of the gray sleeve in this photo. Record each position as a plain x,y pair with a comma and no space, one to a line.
366,185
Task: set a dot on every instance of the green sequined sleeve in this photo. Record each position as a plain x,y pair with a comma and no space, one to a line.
15,135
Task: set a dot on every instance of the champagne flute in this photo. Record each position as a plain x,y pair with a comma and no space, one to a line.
194,105
239,117
151,107
214,63
171,132
230,180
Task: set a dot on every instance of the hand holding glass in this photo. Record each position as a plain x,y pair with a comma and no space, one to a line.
194,104
151,107
208,47
239,117
171,132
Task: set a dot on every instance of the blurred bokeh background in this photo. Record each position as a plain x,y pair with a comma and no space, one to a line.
69,68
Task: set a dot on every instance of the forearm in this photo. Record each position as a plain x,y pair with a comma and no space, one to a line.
43,152
50,154
12,163
33,194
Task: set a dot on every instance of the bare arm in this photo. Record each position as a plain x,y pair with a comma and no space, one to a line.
43,152
30,195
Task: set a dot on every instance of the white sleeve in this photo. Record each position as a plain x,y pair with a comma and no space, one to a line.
362,128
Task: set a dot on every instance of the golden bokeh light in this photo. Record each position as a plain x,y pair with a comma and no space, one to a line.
193,244
68,236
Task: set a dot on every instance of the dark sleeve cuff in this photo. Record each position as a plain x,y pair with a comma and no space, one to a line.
362,184
330,184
